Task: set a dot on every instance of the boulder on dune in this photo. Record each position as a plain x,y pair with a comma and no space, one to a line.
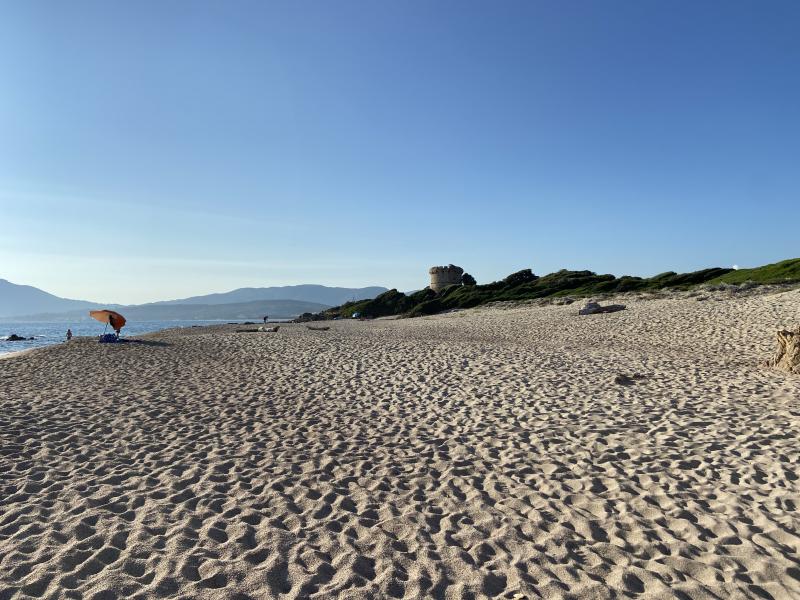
787,356
593,308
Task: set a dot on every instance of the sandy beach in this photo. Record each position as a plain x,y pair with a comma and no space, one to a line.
492,452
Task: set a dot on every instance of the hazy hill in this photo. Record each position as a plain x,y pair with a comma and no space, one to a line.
26,303
320,294
276,309
21,299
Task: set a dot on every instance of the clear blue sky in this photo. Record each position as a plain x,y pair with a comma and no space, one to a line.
161,149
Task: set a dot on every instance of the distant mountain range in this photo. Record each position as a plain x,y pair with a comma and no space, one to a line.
331,296
24,302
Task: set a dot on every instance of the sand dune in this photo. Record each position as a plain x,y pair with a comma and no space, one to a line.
486,453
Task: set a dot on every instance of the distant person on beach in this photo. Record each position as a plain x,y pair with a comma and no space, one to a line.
69,334
265,319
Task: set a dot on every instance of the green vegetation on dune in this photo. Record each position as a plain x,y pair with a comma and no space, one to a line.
525,285
388,303
786,271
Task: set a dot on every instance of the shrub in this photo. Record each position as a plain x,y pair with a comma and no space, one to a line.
520,277
422,295
388,303
429,307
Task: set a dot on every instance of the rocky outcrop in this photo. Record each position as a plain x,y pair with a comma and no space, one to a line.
593,308
16,338
442,277
787,356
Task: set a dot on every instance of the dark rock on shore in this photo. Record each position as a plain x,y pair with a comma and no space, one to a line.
17,338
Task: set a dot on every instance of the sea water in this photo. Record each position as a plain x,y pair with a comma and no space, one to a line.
49,333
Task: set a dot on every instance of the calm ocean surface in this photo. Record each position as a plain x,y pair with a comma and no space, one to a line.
48,333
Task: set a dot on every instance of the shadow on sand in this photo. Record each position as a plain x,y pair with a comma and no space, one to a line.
147,343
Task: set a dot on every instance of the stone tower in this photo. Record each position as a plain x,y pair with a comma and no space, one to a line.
442,277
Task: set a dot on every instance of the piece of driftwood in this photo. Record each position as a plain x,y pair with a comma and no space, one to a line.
260,330
787,356
593,308
312,328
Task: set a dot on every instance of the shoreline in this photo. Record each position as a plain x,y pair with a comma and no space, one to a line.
18,353
168,325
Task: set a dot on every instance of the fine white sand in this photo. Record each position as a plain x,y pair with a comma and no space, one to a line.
486,453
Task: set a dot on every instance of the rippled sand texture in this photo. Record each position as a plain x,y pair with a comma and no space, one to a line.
487,453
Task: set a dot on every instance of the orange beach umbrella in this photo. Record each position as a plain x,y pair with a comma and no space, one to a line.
116,320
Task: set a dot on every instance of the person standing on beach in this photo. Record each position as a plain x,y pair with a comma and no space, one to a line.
69,334
265,319
113,324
